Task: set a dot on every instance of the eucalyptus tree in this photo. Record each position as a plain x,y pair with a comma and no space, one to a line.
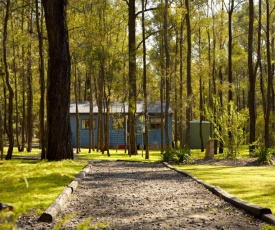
1,136
230,11
145,95
9,127
167,73
132,81
59,144
39,13
270,74
188,71
181,42
16,70
29,76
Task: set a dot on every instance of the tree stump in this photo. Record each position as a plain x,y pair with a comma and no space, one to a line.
210,149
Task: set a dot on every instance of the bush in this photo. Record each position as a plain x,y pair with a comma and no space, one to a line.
229,124
177,155
184,156
168,156
265,155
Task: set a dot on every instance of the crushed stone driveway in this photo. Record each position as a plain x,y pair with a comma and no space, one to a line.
130,195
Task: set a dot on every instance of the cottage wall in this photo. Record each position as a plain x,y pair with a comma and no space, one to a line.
117,134
84,133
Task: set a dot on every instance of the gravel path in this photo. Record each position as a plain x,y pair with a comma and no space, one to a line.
128,195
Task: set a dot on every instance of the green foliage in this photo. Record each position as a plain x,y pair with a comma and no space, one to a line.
84,225
229,124
268,227
63,221
265,155
182,156
8,220
168,156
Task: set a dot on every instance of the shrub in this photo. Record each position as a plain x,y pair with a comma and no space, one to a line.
177,155
265,155
183,155
229,124
168,156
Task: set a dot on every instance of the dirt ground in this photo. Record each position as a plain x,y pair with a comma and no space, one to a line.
127,195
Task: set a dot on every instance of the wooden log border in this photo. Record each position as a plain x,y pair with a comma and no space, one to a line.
52,211
262,213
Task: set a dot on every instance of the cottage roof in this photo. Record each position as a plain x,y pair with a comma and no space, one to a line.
118,107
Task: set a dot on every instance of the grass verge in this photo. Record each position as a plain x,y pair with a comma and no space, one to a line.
120,154
32,185
253,184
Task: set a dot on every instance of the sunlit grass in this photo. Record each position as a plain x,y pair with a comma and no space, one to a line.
34,152
120,154
34,185
243,153
253,184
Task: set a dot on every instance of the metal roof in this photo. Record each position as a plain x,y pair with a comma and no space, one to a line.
118,107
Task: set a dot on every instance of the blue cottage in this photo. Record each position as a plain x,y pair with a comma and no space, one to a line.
118,127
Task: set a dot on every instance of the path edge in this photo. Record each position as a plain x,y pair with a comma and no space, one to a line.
52,211
262,213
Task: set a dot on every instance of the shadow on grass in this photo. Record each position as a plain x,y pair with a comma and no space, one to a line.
49,180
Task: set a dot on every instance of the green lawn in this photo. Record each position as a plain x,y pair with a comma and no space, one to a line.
32,185
253,184
120,155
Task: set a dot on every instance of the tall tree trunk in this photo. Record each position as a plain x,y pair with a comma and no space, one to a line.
7,80
1,136
252,81
162,85
29,102
16,96
221,102
188,74
201,95
132,78
167,76
23,130
39,28
176,80
145,96
30,90
107,96
91,118
259,59
230,39
213,65
269,77
107,121
181,87
59,130
77,120
100,135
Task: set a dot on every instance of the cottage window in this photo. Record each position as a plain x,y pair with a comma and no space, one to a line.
117,123
155,122
86,124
